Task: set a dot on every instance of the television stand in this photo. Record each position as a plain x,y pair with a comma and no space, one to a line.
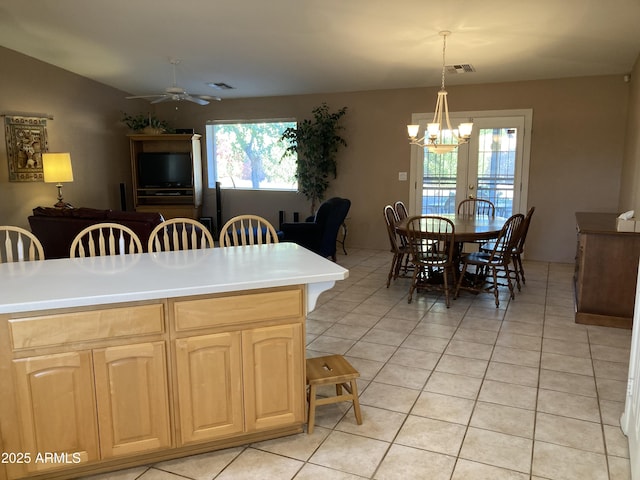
171,202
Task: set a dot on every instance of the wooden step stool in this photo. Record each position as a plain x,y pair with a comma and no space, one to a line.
332,370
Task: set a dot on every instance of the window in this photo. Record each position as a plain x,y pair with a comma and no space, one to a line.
249,155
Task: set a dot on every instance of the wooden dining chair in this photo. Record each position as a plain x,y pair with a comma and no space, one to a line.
516,267
519,249
432,244
105,239
476,206
401,210
494,264
179,234
247,230
19,245
398,244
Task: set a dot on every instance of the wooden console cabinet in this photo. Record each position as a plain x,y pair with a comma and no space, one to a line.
606,271
172,202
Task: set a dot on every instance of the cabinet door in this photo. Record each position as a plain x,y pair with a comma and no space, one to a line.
56,407
132,397
274,385
209,379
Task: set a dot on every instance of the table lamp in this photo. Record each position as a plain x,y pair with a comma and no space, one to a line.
57,169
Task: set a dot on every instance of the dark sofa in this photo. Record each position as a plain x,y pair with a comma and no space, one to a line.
56,228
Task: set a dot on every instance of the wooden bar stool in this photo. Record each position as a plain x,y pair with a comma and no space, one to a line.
332,370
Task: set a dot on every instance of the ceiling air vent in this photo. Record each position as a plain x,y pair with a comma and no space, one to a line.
460,68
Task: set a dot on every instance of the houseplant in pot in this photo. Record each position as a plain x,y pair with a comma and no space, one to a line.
317,143
144,123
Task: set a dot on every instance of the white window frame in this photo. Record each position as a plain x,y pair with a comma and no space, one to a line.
522,177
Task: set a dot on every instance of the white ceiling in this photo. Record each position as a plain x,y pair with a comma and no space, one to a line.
282,47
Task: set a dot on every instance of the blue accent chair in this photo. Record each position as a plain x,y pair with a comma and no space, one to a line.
319,233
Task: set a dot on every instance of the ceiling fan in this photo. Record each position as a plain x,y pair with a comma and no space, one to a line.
175,93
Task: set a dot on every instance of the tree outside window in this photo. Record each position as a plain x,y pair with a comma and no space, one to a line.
249,155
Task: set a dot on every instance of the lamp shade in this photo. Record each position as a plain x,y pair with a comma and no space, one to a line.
57,167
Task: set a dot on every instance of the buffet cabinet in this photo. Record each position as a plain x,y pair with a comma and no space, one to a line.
606,271
107,387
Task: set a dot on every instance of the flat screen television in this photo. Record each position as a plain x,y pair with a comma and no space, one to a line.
165,170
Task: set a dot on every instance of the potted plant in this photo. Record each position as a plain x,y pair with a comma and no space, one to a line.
316,142
144,123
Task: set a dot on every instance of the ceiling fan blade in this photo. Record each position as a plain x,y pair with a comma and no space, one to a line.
163,98
199,101
144,96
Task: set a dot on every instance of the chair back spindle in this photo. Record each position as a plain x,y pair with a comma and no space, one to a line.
476,206
179,234
19,245
105,239
247,230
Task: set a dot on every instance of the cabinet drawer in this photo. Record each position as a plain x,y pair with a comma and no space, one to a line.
58,329
238,309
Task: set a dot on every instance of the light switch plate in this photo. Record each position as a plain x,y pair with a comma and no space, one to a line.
402,176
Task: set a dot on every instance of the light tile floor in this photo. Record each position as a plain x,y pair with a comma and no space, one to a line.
469,392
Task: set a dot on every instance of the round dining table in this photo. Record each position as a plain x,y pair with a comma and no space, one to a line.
468,228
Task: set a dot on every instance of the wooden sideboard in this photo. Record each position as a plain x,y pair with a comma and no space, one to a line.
606,271
134,359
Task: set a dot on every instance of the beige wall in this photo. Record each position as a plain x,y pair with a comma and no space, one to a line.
576,150
629,192
86,123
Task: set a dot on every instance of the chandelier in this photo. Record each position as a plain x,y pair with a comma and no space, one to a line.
437,138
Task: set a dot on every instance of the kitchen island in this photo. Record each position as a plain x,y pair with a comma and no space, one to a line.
111,362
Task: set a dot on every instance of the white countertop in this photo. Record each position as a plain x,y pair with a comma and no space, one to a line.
62,283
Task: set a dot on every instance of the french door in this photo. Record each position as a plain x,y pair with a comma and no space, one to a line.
630,420
493,165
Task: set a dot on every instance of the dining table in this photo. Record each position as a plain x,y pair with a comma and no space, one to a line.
474,229
468,228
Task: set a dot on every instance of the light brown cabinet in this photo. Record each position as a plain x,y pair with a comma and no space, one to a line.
606,271
132,399
105,387
59,413
261,367
170,201
203,365
280,401
56,408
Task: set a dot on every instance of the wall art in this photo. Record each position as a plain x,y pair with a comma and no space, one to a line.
26,139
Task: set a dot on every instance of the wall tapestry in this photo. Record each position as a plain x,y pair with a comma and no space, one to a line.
26,139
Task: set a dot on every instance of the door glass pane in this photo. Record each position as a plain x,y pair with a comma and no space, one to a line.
439,182
496,167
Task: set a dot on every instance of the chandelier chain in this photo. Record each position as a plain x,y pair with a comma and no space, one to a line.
444,47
